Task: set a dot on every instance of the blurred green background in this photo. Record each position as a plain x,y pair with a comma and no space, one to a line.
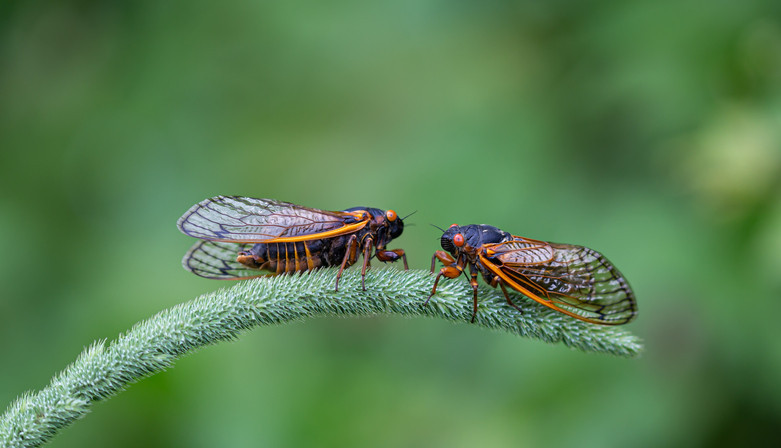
649,130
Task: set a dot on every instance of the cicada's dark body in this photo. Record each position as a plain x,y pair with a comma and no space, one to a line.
242,236
575,280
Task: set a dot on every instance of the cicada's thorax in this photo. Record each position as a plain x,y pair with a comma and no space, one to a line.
478,235
377,229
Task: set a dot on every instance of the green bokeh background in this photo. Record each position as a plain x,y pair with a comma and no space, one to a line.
649,130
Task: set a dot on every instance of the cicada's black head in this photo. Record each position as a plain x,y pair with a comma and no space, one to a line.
447,239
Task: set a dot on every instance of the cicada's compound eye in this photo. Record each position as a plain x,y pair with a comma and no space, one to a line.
391,216
458,240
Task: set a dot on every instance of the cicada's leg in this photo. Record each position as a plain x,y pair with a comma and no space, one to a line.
499,281
452,269
442,256
393,255
351,249
367,254
473,283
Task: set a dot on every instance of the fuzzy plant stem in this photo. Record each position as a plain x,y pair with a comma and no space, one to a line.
150,346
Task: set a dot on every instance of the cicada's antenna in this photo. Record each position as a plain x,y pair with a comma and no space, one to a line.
440,228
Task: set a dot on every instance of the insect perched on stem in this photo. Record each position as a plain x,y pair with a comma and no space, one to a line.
245,235
575,280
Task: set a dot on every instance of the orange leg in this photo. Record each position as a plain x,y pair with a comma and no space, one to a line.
452,269
393,255
442,256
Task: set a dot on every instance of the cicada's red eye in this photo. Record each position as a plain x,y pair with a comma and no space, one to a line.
453,225
390,215
458,240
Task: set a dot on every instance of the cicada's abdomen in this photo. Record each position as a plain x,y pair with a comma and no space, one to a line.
279,258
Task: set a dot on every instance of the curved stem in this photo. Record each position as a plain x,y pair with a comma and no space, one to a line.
150,346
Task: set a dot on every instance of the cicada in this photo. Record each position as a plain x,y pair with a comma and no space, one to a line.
575,280
244,237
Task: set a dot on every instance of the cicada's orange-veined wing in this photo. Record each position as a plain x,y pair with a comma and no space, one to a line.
238,219
217,260
574,280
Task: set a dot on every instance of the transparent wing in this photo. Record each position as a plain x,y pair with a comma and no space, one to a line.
575,280
249,220
217,260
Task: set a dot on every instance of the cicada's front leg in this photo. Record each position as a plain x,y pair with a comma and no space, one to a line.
444,257
452,269
473,282
393,255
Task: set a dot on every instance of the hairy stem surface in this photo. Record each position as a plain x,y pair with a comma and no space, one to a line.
103,370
